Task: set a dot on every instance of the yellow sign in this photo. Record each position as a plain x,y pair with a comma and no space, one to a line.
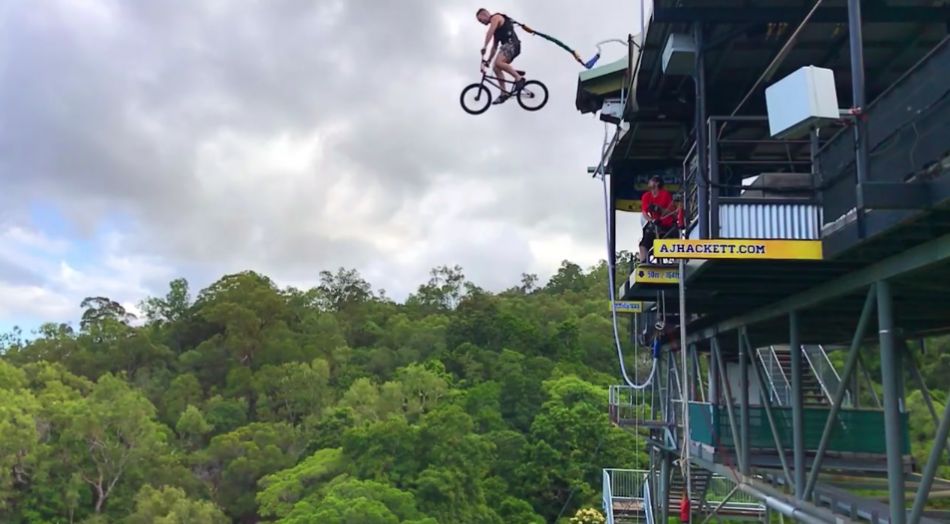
738,249
621,306
655,275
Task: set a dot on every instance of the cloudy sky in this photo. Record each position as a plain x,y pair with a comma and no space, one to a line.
142,141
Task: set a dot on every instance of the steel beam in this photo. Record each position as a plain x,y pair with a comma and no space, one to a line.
744,404
915,258
664,487
729,408
799,510
798,412
853,353
613,225
924,390
794,15
892,415
714,385
722,503
931,468
702,173
698,370
858,103
686,390
767,403
869,380
714,179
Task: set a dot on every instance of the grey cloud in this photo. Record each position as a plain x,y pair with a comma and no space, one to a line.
116,114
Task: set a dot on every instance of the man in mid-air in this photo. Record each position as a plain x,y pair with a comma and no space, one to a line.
502,30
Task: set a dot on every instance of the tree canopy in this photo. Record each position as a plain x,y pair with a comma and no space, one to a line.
248,403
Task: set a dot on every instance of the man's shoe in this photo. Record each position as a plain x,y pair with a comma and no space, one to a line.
501,99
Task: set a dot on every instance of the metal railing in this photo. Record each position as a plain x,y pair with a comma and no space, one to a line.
623,485
720,488
715,191
780,389
608,498
628,405
647,503
855,431
825,372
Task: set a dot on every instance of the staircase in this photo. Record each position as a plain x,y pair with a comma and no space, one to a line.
699,483
819,378
708,491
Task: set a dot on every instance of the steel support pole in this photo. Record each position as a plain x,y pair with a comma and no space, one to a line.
722,503
744,401
892,415
853,354
924,390
798,412
686,391
698,373
668,402
767,403
728,401
713,179
927,478
702,176
867,378
858,102
814,145
713,378
664,487
613,226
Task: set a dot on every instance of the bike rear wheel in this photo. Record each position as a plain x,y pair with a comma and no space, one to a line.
475,99
533,96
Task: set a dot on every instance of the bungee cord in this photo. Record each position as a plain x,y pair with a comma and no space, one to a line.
611,268
588,64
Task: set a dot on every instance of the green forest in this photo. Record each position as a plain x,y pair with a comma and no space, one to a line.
247,402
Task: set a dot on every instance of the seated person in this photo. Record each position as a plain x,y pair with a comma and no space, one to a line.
660,213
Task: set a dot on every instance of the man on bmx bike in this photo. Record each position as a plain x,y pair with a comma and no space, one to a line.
501,29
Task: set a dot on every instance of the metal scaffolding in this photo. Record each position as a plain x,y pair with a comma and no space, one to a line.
755,400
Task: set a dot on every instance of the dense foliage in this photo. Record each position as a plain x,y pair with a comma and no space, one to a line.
250,403
253,403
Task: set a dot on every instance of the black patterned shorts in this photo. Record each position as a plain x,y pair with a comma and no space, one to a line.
510,50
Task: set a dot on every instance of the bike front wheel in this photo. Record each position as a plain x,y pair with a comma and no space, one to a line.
533,96
475,99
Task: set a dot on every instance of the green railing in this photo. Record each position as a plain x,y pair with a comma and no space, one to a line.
855,431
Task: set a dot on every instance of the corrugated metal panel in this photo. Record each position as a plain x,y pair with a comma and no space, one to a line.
769,220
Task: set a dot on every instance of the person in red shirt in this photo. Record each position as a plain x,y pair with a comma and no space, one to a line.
657,207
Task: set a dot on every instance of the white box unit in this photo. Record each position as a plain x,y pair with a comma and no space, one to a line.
801,101
679,55
611,110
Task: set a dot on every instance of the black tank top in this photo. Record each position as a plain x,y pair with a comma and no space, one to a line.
505,33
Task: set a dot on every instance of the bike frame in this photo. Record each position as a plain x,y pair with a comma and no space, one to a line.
486,78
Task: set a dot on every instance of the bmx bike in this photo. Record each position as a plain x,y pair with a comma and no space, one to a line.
476,98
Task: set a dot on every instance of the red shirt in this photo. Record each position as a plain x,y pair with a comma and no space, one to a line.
664,200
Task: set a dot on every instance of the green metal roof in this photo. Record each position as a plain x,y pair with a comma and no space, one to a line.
593,85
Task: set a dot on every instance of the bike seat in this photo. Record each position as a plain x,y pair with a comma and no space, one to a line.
520,72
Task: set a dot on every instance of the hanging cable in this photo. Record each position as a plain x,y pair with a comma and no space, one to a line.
611,268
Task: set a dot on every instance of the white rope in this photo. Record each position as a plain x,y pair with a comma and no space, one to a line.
610,275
